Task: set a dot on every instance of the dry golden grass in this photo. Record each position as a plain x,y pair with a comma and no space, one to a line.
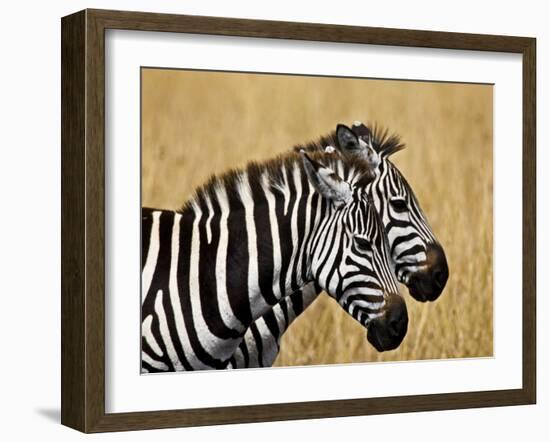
196,124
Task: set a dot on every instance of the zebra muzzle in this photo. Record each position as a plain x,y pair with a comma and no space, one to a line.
428,284
387,331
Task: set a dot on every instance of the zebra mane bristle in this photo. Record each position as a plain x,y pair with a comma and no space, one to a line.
273,170
383,142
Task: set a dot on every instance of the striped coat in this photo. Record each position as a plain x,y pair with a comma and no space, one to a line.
251,238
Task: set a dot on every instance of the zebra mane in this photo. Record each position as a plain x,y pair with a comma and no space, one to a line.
378,137
350,168
384,142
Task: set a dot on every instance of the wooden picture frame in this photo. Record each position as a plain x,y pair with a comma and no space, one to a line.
83,220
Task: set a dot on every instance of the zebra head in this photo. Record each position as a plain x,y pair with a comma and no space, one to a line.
419,259
350,256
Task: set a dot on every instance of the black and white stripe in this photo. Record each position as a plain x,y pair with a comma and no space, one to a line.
409,234
251,238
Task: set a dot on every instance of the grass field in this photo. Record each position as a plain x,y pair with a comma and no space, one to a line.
195,124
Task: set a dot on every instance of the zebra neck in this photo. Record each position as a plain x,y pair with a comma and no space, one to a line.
250,246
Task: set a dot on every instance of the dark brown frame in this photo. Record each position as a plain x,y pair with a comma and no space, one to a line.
83,215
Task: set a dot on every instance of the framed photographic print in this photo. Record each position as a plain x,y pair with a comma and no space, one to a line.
270,220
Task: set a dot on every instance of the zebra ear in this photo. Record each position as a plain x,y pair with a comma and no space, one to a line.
347,140
352,141
361,130
326,182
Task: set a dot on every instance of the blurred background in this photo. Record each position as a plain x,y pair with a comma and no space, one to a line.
197,123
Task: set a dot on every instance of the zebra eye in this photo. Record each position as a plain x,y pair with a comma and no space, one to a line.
399,204
363,244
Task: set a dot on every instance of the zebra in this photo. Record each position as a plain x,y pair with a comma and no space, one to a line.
251,237
419,259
